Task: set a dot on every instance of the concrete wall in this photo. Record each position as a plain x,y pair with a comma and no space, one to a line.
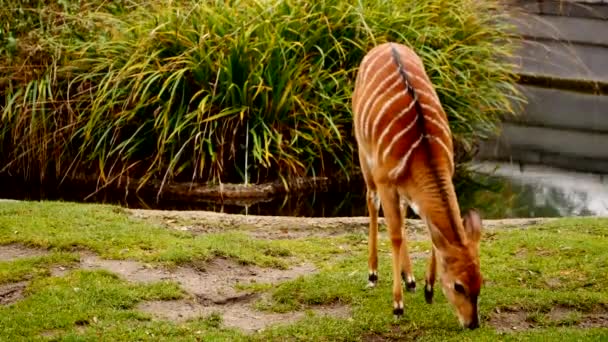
564,61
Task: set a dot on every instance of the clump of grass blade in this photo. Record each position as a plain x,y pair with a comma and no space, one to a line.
172,90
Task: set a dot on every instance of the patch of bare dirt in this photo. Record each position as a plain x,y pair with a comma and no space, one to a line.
268,227
516,320
212,290
211,287
553,282
510,320
284,227
238,315
10,293
15,251
516,222
60,271
595,319
213,282
559,313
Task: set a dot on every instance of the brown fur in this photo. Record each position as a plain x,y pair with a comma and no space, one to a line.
417,168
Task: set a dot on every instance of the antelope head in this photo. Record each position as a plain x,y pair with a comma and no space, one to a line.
458,265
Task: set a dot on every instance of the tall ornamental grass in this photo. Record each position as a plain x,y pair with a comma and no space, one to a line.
214,91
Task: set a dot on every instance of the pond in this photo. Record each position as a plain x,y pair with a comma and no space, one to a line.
519,193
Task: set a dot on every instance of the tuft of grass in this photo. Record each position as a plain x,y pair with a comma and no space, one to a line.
187,90
27,268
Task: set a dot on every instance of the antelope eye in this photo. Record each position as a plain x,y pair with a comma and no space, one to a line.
459,288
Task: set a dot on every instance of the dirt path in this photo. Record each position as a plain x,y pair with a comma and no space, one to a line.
281,227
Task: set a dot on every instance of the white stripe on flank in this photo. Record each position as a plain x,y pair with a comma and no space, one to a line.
429,96
388,127
439,125
397,170
396,137
445,148
369,61
433,110
370,65
382,112
427,85
377,72
364,93
365,111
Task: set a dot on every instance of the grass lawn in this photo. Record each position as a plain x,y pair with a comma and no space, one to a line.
543,282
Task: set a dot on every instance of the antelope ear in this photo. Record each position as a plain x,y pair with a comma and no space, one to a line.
472,225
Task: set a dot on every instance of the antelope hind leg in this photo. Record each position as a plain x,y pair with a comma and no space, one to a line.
373,206
394,221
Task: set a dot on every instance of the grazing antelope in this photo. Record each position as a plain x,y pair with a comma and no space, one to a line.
406,157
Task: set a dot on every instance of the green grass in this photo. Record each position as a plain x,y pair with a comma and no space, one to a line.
26,268
529,270
187,90
110,233
85,299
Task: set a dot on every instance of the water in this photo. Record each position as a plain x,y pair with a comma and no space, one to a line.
538,191
522,193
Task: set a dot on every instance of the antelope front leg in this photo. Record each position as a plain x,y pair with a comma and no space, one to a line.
430,277
394,221
373,205
406,265
406,272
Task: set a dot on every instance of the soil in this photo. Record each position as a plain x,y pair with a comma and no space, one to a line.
210,288
238,314
14,251
11,293
595,319
517,319
284,227
509,320
215,284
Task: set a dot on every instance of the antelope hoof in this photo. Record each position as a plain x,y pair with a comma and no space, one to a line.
410,282
411,286
428,293
398,310
372,279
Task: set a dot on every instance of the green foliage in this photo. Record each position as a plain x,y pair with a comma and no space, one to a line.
170,90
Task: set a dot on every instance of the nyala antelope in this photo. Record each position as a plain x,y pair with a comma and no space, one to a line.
406,156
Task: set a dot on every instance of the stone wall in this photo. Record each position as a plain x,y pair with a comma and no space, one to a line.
563,62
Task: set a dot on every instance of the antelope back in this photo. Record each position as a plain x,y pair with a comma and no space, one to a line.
398,118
